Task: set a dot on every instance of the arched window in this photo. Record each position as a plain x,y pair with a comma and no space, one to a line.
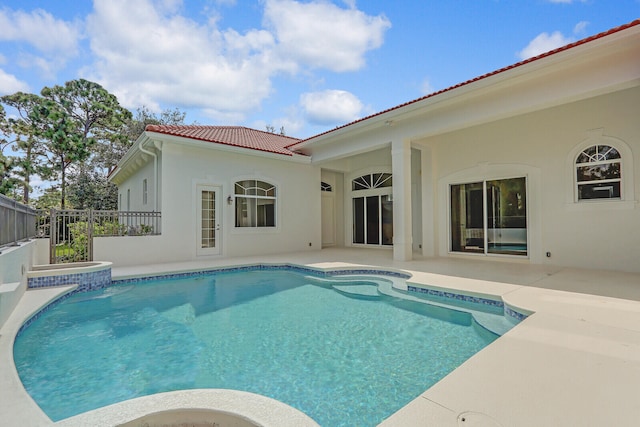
371,181
598,173
255,204
325,187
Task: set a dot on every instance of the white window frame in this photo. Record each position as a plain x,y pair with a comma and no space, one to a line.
236,196
199,188
375,189
485,217
601,157
627,191
144,191
487,172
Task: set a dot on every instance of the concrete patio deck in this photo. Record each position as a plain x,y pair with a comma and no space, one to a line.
574,362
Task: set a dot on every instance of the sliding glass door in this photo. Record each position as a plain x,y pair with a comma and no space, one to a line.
489,217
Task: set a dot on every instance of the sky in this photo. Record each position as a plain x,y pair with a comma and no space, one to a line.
305,66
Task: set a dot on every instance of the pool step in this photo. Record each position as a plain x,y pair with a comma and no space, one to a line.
493,322
366,291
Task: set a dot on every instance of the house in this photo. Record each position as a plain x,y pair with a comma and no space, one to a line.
222,190
535,163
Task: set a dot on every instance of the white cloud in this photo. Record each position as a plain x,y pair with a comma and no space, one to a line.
322,35
292,122
45,42
291,125
10,84
41,30
46,67
426,88
331,107
148,57
580,27
147,54
544,42
169,6
350,3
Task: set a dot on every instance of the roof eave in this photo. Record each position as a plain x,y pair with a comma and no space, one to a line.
512,72
128,158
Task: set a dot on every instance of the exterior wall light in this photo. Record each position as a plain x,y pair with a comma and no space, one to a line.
229,200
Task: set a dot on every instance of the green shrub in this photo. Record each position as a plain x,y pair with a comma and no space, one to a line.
79,240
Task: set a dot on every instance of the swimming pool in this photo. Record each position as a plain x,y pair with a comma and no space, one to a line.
343,354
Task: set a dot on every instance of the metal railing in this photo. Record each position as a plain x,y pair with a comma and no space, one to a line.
17,222
71,232
121,223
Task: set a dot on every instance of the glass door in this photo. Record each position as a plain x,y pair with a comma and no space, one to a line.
507,216
489,217
467,218
373,209
208,221
373,220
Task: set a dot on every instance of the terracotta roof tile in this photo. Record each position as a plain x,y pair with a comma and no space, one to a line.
482,77
237,136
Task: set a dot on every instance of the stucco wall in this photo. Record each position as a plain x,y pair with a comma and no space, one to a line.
297,207
589,234
183,168
14,264
374,161
539,145
132,250
134,185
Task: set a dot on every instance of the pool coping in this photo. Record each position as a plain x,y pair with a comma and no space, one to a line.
574,346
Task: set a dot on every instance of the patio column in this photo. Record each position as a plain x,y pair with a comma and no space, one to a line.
401,170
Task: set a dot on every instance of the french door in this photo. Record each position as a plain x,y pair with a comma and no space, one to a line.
208,220
373,220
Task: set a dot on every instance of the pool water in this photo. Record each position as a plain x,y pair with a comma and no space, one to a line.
343,360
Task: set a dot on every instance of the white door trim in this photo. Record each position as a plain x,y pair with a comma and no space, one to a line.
208,219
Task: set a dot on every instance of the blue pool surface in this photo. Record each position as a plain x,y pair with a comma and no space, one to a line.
343,357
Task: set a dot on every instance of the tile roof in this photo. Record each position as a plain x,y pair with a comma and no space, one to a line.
237,136
482,77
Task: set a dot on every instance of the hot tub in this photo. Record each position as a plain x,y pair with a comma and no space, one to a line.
198,407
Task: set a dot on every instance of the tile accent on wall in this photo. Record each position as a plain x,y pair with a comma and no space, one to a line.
508,311
86,281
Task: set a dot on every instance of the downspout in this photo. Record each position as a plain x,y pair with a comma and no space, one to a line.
155,174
